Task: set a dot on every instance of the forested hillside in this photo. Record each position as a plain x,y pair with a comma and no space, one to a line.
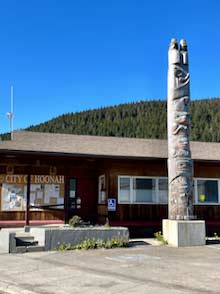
142,119
145,119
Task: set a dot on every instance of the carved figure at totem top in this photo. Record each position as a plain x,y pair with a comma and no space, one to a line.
180,170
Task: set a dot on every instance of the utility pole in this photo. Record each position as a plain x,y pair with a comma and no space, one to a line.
10,115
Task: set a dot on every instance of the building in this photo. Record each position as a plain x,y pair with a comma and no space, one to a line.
122,179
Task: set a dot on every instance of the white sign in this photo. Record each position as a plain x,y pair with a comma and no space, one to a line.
111,204
35,179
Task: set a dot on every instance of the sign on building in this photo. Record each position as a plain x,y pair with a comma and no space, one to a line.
111,204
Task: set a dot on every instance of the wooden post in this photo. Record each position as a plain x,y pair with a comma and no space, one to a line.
180,165
66,198
27,216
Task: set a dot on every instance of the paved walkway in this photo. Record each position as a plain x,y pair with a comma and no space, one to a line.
139,269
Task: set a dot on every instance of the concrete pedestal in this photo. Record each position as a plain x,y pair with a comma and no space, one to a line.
180,233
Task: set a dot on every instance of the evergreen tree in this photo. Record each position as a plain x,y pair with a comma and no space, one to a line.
144,119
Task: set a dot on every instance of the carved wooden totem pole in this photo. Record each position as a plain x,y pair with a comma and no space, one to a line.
180,168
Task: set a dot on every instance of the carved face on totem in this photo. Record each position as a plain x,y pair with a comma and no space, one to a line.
182,117
181,104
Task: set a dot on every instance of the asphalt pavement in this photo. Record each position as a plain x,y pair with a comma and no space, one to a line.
141,268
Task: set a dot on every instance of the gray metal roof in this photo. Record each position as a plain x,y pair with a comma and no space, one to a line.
25,141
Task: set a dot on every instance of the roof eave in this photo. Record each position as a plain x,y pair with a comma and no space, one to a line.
82,155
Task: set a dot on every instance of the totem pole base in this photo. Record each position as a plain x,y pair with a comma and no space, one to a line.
181,233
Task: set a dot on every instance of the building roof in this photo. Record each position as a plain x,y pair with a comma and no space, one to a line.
99,146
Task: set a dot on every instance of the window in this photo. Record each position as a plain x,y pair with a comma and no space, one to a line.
45,190
13,197
125,189
142,189
138,190
102,189
162,190
206,191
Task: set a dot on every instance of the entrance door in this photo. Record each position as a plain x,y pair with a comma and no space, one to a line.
71,201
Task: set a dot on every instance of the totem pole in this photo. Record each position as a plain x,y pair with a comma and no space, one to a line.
180,169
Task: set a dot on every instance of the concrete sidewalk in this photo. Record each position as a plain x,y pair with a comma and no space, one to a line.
138,269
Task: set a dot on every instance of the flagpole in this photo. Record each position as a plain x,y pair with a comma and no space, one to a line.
12,112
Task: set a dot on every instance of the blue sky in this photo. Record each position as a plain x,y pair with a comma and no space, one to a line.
66,55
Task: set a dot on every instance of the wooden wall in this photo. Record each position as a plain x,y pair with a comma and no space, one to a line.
84,170
140,212
132,212
154,212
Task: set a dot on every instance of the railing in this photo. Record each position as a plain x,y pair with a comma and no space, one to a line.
47,207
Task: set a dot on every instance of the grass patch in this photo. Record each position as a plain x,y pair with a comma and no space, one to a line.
95,244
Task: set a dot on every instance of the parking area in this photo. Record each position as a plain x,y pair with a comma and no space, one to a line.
141,268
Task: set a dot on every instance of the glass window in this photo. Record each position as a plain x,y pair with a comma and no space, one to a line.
144,189
162,190
72,188
207,191
124,189
45,190
133,189
13,197
154,190
102,189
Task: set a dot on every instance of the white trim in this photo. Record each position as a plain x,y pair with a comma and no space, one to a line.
157,191
132,190
195,191
212,179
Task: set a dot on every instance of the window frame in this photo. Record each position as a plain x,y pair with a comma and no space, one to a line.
157,185
195,190
196,201
125,202
132,190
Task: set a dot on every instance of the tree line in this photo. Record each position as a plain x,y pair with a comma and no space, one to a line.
144,119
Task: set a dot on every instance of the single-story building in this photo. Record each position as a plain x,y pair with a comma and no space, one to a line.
122,179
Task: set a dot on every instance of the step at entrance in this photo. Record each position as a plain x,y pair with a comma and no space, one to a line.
26,243
24,249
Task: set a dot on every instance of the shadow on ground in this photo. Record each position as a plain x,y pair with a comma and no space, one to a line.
212,241
135,243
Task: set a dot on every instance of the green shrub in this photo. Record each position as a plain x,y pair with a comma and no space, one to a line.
88,244
216,237
94,244
64,247
75,221
100,243
160,237
115,243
